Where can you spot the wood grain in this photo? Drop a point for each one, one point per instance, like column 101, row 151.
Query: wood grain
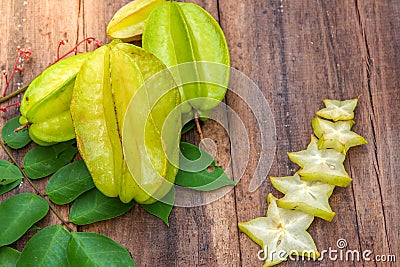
column 298, row 53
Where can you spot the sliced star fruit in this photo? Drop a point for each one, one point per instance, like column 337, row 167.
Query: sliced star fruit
column 337, row 110
column 336, row 135
column 307, row 196
column 325, row 165
column 281, row 233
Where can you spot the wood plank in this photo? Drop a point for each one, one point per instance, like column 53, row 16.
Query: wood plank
column 40, row 26
column 379, row 22
column 299, row 53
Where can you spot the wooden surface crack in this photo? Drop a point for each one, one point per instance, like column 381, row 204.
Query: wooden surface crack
column 285, row 88
column 355, row 208
column 80, row 13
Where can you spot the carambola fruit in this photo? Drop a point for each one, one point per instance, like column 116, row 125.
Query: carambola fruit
column 105, row 85
column 307, row 196
column 191, row 43
column 128, row 22
column 45, row 104
column 308, row 190
column 337, row 110
column 281, row 233
column 336, row 135
column 324, row 165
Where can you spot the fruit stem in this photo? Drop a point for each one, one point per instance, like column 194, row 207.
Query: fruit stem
column 35, row 188
column 11, row 95
column 198, row 126
column 22, row 127
column 23, row 53
column 88, row 40
column 4, row 109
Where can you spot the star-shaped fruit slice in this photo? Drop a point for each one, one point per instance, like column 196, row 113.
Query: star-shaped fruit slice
column 325, row 165
column 281, row 233
column 337, row 110
column 307, row 196
column 336, row 135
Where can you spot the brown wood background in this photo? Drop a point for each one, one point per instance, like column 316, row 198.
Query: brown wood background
column 298, row 52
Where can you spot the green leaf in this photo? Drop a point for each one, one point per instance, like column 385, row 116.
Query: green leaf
column 46, row 248
column 69, row 182
column 8, row 257
column 9, row 187
column 188, row 126
column 91, row 249
column 13, row 139
column 204, row 180
column 210, row 177
column 162, row 209
column 18, row 214
column 93, row 206
column 41, row 161
column 193, row 159
column 9, row 173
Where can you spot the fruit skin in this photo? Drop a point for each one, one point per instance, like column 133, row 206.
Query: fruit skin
column 128, row 22
column 114, row 74
column 95, row 123
column 40, row 142
column 158, row 182
column 177, row 33
column 45, row 104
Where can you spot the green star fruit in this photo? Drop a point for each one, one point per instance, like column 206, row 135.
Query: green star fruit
column 281, row 233
column 325, row 165
column 336, row 135
column 307, row 196
column 337, row 110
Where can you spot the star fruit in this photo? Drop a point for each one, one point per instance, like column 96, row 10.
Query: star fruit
column 336, row 135
column 337, row 110
column 45, row 104
column 113, row 75
column 128, row 22
column 181, row 32
column 281, row 233
column 324, row 165
column 308, row 196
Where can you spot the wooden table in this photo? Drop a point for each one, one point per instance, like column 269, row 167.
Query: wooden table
column 298, row 53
